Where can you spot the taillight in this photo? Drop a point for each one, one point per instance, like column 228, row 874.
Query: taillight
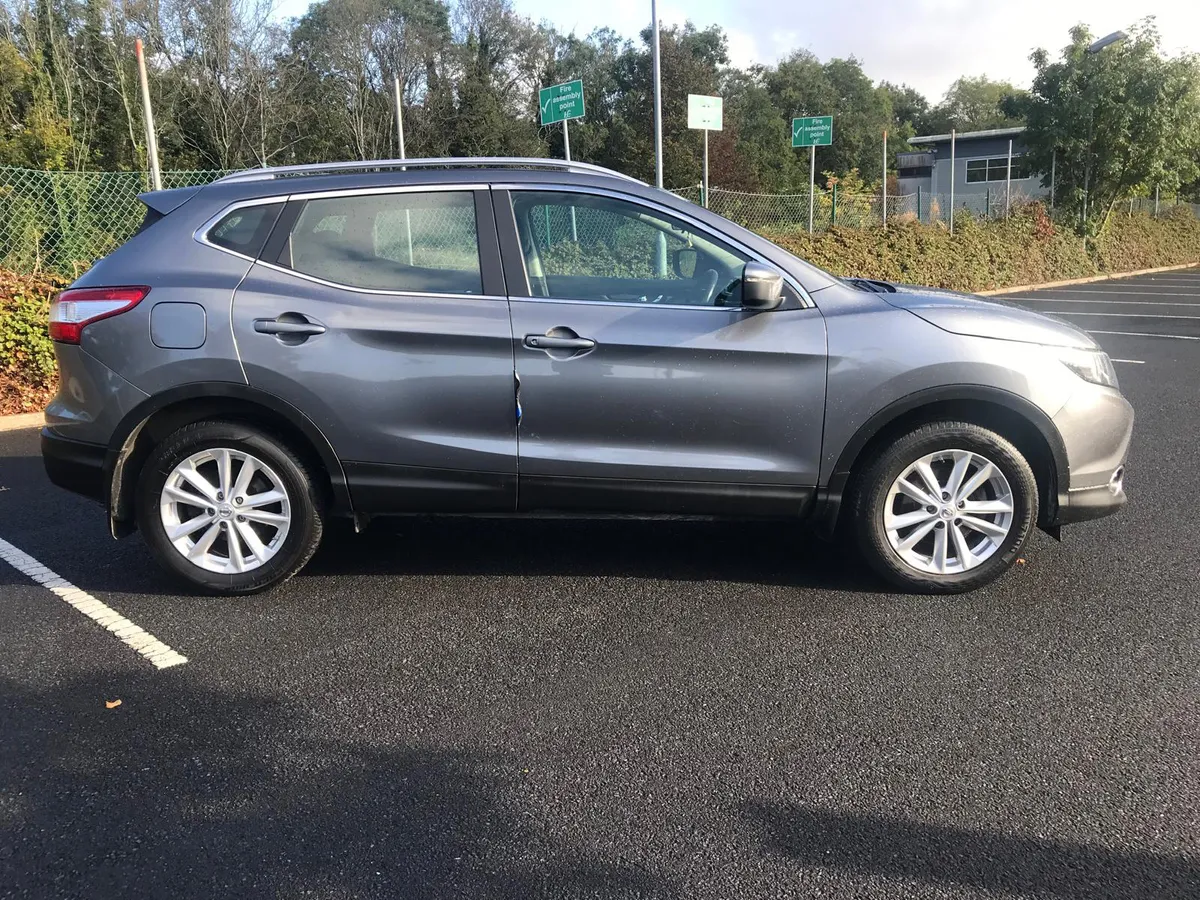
column 77, row 308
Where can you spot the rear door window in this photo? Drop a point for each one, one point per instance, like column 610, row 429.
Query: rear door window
column 422, row 243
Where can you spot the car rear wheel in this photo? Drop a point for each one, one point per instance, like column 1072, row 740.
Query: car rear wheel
column 945, row 508
column 229, row 508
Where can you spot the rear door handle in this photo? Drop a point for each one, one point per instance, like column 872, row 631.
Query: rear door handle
column 551, row 342
column 288, row 327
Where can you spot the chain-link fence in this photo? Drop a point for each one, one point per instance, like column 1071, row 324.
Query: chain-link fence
column 790, row 212
column 63, row 221
column 786, row 212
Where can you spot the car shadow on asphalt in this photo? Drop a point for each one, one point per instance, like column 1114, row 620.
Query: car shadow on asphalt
column 978, row 860
column 752, row 552
column 194, row 792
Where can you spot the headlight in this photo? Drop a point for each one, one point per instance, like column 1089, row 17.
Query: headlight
column 1090, row 365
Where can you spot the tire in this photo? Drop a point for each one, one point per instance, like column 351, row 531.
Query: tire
column 880, row 501
column 287, row 530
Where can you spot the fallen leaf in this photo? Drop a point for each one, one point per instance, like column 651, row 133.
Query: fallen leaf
column 111, row 704
column 1020, row 562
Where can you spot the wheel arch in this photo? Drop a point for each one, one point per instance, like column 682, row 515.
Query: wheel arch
column 1008, row 414
column 163, row 413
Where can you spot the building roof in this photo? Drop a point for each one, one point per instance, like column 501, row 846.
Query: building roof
column 967, row 135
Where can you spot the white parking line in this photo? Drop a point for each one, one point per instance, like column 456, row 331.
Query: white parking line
column 1124, row 290
column 133, row 636
column 1113, row 315
column 1118, row 302
column 1132, row 362
column 1177, row 337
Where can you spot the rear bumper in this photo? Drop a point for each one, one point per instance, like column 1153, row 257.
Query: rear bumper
column 75, row 465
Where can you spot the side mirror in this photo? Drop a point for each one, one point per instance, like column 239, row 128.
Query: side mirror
column 762, row 286
column 683, row 262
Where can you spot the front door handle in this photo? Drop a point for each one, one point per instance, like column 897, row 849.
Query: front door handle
column 555, row 342
column 293, row 326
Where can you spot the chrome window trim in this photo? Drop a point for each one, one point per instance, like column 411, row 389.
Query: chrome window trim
column 650, row 304
column 382, row 293
column 553, row 187
column 464, row 187
column 201, row 235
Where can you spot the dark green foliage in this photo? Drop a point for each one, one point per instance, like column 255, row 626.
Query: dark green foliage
column 1025, row 249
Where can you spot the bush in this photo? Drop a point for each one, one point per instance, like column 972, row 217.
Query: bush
column 1026, row 248
column 28, row 373
column 1140, row 241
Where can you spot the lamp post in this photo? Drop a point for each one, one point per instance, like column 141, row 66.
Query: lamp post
column 1095, row 47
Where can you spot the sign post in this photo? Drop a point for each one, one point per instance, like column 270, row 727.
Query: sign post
column 561, row 103
column 704, row 114
column 812, row 132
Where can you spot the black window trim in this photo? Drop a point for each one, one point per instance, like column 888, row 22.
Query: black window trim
column 490, row 271
column 987, row 160
column 518, row 275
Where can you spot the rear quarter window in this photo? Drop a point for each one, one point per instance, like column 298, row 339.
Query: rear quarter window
column 245, row 230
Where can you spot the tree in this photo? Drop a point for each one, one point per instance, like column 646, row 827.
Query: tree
column 1116, row 122
column 909, row 108
column 974, row 104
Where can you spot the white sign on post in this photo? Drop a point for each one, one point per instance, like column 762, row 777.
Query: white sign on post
column 704, row 113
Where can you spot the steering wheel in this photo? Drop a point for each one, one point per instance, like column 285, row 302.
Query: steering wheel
column 710, row 289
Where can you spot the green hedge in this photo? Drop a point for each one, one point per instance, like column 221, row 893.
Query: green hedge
column 1027, row 248
column 28, row 372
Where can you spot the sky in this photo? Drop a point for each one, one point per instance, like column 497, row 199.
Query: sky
column 925, row 43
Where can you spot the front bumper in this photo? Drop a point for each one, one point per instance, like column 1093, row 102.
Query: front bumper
column 1089, row 503
column 1096, row 426
column 75, row 465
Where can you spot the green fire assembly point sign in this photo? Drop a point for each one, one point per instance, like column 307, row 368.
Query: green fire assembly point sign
column 812, row 131
column 561, row 101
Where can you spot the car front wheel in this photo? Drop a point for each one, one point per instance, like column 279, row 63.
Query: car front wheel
column 946, row 508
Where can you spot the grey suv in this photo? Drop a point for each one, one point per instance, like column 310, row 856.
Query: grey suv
column 530, row 337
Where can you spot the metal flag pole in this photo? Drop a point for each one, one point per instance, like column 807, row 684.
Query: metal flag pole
column 1008, row 183
column 567, row 153
column 885, row 179
column 400, row 147
column 812, row 181
column 952, row 148
column 151, row 140
column 661, row 254
column 1053, row 174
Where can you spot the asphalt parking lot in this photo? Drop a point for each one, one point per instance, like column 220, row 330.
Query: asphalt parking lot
column 683, row 710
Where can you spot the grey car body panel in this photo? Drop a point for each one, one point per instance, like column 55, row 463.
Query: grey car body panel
column 187, row 273
column 878, row 356
column 411, row 400
column 1096, row 424
column 92, row 398
column 964, row 314
column 673, row 394
column 403, row 380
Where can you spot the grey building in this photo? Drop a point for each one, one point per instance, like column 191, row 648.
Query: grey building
column 980, row 169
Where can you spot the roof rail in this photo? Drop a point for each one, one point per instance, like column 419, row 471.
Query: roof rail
column 496, row 162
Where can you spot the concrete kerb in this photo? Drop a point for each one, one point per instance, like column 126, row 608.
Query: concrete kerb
column 1019, row 289
column 24, row 420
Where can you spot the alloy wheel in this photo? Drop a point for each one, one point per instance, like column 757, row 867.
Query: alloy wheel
column 948, row 512
column 225, row 510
